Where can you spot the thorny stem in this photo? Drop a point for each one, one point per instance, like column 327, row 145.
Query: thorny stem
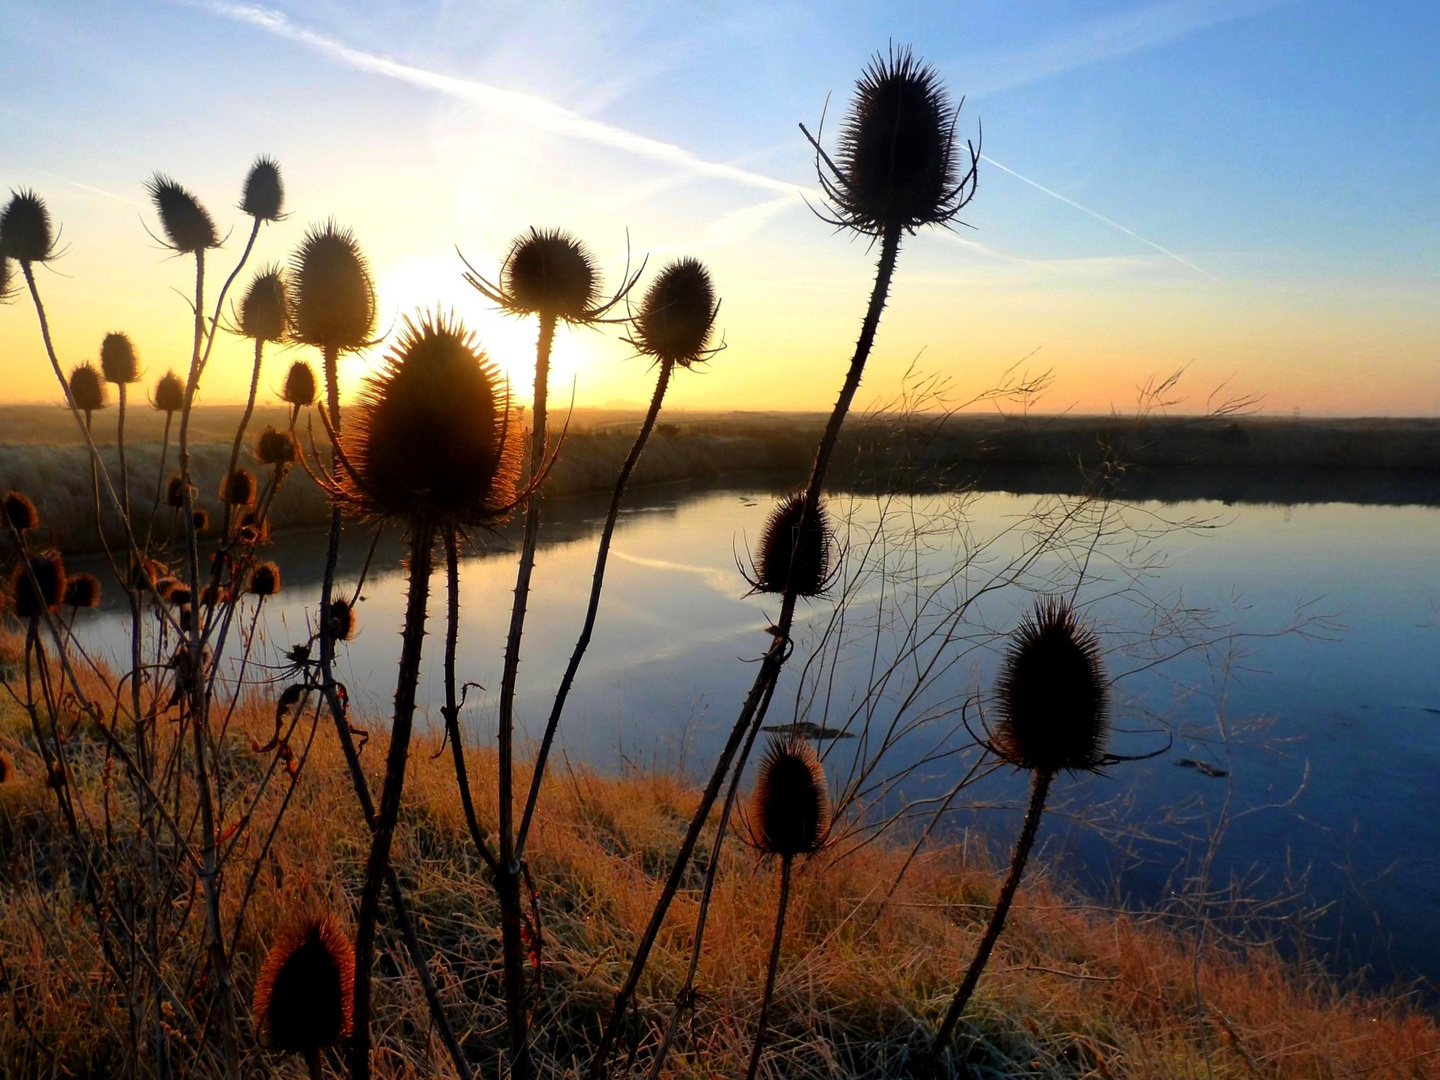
column 773, row 661
column 1040, row 788
column 785, row 865
column 597, row 583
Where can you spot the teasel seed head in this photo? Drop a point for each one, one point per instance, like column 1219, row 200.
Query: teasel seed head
column 299, row 384
column 264, row 197
column 169, row 393
column 82, row 591
column 1052, row 695
column 238, row 489
column 87, row 388
column 332, row 297
column 175, row 492
column 166, row 587
column 178, row 593
column 187, row 225
column 432, row 438
column 49, row 570
column 787, row 551
column 25, row 232
column 21, row 512
column 265, row 308
column 275, row 447
column 342, row 620
column 790, row 809
column 118, row 362
column 145, row 573
column 550, row 272
column 7, row 278
column 264, row 579
column 253, row 529
column 201, row 520
column 304, row 993
column 677, row 316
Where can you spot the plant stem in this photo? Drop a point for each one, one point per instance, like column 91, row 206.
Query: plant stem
column 240, row 432
column 597, row 583
column 412, row 642
column 1040, row 788
column 785, row 865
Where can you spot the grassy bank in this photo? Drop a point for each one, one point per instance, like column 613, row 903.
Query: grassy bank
column 1075, row 991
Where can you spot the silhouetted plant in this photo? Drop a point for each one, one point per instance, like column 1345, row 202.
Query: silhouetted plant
column 238, row 488
column 264, row 579
column 188, row 226
column 21, row 512
column 25, row 231
column 275, row 448
column 305, row 989
column 264, row 195
column 37, row 584
column 796, row 550
column 87, row 390
column 82, row 591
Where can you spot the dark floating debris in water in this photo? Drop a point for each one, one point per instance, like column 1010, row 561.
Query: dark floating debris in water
column 806, row 730
column 1203, row 767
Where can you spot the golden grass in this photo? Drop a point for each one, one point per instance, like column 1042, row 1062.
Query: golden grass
column 1072, row 991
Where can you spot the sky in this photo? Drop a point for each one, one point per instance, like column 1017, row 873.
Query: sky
column 1245, row 189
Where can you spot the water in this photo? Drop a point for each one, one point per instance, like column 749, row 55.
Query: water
column 1286, row 656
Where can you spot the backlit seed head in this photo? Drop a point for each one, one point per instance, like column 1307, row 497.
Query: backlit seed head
column 7, row 278
column 21, row 512
column 790, row 809
column 238, row 489
column 87, row 388
column 252, row 528
column 169, row 393
column 166, row 587
column 299, row 384
column 433, row 439
column 303, row 995
column 332, row 297
column 789, row 552
column 175, row 492
column 179, row 594
column 677, row 316
column 265, row 308
column 201, row 520
column 33, row 599
column 118, row 362
column 145, row 574
column 25, row 232
column 275, row 447
column 82, row 591
column 1052, row 696
column 264, row 579
column 342, row 620
column 187, row 225
column 552, row 273
column 264, row 196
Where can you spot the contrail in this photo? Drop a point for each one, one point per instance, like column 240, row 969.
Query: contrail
column 92, row 188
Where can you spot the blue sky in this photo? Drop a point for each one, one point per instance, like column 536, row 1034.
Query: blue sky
column 1241, row 186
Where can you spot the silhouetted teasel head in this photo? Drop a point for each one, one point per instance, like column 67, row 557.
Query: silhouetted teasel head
column 238, row 488
column 332, row 298
column 265, row 307
column 299, row 384
column 25, row 231
column 677, row 316
column 201, row 520
column 252, row 529
column 175, row 492
column 118, row 362
column 432, row 438
column 32, row 599
column 188, row 226
column 790, row 809
column 87, row 388
column 169, row 393
column 264, row 197
column 82, row 591
column 178, row 593
column 7, row 278
column 264, row 579
column 275, row 447
column 551, row 272
column 1052, row 696
column 305, row 990
column 896, row 165
column 21, row 512
column 788, row 551
column 342, row 620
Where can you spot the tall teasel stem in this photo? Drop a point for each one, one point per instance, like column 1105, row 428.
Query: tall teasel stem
column 244, row 423
column 785, row 865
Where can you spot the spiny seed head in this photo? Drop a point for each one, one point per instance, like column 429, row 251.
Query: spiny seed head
column 25, row 232
column 303, row 995
column 169, row 393
column 238, row 489
column 433, row 439
column 186, row 223
column 332, row 297
column 253, row 529
column 790, row 809
column 21, row 512
column 677, row 315
column 787, row 551
column 1052, row 696
column 342, row 620
column 87, row 388
column 264, row 196
column 166, row 587
column 299, row 384
column 552, row 273
column 145, row 573
column 264, row 579
column 179, row 594
column 33, row 599
column 118, row 362
column 265, row 309
column 275, row 447
column 7, row 278
column 201, row 520
column 82, row 591
column 175, row 492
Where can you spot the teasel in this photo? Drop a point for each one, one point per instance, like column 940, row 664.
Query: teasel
column 264, row 197
column 276, row 448
column 332, row 301
column 87, row 390
column 796, row 550
column 175, row 494
column 303, row 995
column 37, row 584
column 342, row 620
column 20, row 512
column 299, row 389
column 169, row 398
column 238, row 488
column 82, row 591
column 200, row 518
column 264, row 580
column 7, row 280
column 188, row 226
column 119, row 365
column 1053, row 701
column 26, row 234
column 264, row 316
column 789, row 817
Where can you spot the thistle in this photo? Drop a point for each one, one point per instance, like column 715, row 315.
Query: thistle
column 238, row 488
column 87, row 390
column 118, row 362
column 794, row 557
column 21, row 512
column 264, row 579
column 82, row 591
column 677, row 316
column 32, row 598
column 275, row 448
column 303, row 993
column 25, row 231
column 188, row 227
column 264, row 196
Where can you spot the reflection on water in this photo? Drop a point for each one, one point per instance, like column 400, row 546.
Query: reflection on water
column 1322, row 744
